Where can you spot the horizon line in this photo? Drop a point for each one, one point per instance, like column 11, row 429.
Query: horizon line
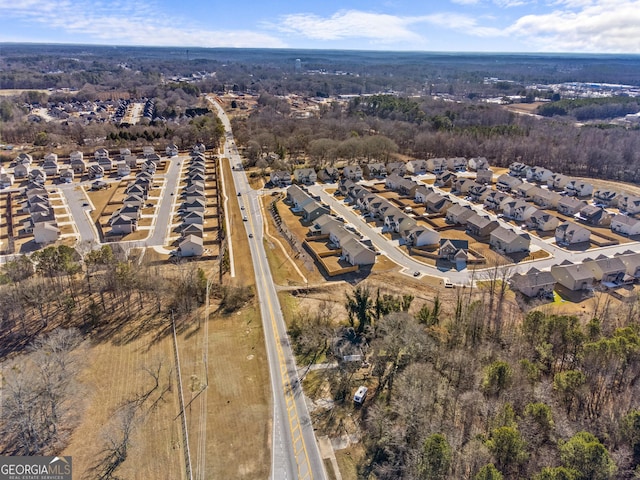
column 442, row 52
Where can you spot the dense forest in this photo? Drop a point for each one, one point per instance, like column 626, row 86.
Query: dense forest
column 477, row 392
column 424, row 128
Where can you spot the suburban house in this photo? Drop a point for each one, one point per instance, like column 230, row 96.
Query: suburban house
column 484, row 176
column 518, row 169
column 539, row 174
column 457, row 164
column 191, row 246
column 445, row 179
column 76, row 155
column 436, row 203
column 197, row 205
column 417, row 167
column 456, row 251
column 478, row 192
column 355, row 252
column 199, row 148
column 518, row 210
column 78, row 166
column 378, row 209
column 507, row 241
column 193, row 229
column 123, row 170
column 37, row 176
column 21, row 170
column 66, row 175
column 396, row 221
column 45, row 233
column 352, row 172
column 578, row 188
column 123, row 224
column 106, row 163
column 123, row 152
column 280, row 178
column 605, row 197
column 339, row 236
column 407, row 187
column 329, row 175
column 392, row 181
column 574, row 277
column 147, row 151
column 171, row 150
column 478, row 163
column 496, row 199
column 596, row 216
column 462, row 185
column 131, row 160
column 50, row 164
column 625, row 225
column 422, row 236
column 507, row 183
column 193, row 217
column 481, row 226
column 399, row 168
column 629, row 204
column 543, row 221
column 296, row 196
column 436, row 165
column 307, row 176
column 324, row 225
column 527, row 190
column 558, row 181
column 101, row 153
column 364, row 203
column 544, row 198
column 313, row 210
column 570, row 206
column 458, row 214
column 6, row 180
column 607, row 269
column 534, row 283
column 632, row 263
column 569, row 233
column 421, row 193
column 374, row 170
column 134, row 200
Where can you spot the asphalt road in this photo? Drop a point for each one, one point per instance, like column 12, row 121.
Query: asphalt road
column 295, row 453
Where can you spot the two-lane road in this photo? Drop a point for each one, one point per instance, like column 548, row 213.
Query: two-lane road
column 295, row 453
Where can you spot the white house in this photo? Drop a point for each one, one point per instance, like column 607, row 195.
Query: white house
column 629, row 204
column 191, row 246
column 45, row 233
column 625, row 225
column 569, row 233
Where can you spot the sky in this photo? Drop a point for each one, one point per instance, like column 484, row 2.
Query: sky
column 575, row 26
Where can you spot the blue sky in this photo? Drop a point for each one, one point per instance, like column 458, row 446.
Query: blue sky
column 583, row 26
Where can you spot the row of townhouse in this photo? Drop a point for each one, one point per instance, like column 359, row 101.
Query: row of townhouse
column 609, row 271
column 444, row 168
column 42, row 221
column 193, row 207
column 125, row 219
column 353, row 250
column 605, row 197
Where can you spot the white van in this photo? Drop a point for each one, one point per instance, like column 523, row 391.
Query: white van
column 360, row 395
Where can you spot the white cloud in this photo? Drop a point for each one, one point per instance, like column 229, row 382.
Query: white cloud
column 466, row 2
column 377, row 27
column 128, row 23
column 349, row 24
column 611, row 26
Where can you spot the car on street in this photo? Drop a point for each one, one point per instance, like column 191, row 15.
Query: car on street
column 245, row 219
column 251, row 235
